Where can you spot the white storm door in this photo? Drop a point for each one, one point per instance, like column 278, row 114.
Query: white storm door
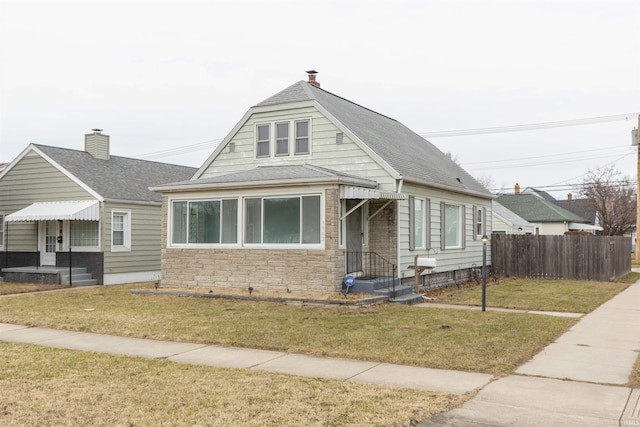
column 48, row 242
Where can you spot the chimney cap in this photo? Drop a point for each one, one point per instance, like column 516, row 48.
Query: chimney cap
column 97, row 130
column 311, row 72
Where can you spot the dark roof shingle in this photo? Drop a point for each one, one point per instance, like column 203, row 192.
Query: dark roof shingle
column 405, row 151
column 119, row 178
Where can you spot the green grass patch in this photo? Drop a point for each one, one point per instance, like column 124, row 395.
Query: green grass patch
column 46, row 386
column 570, row 296
column 629, row 278
column 489, row 342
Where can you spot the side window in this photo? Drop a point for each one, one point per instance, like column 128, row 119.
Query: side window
column 120, row 231
column 452, row 226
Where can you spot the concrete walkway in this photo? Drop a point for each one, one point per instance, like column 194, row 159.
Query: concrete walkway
column 242, row 358
column 579, row 380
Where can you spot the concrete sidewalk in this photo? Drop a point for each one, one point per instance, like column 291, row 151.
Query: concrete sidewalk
column 576, row 381
column 242, row 358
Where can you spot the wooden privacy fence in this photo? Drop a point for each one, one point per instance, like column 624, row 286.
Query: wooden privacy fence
column 578, row 257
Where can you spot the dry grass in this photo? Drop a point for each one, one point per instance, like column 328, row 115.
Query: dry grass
column 491, row 342
column 44, row 386
column 20, row 288
column 544, row 295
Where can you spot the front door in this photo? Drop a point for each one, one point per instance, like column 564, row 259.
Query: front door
column 48, row 242
column 354, row 238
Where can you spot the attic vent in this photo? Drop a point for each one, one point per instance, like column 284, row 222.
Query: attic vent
column 232, row 147
column 339, row 137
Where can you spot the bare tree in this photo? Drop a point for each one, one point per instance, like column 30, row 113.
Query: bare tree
column 485, row 180
column 614, row 197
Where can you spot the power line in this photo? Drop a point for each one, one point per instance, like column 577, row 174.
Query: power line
column 530, row 126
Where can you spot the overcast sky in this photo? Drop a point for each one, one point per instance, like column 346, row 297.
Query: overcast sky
column 167, row 80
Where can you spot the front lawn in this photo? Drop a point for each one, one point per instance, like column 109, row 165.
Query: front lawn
column 490, row 342
column 572, row 296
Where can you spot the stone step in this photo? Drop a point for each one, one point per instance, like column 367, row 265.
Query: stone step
column 84, row 282
column 407, row 299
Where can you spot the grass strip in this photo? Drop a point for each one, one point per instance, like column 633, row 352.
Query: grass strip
column 45, row 386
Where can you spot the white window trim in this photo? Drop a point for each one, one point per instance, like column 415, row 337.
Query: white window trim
column 425, row 221
column 170, row 243
column 461, row 224
column 66, row 226
column 126, row 223
column 273, row 138
column 284, row 245
column 479, row 219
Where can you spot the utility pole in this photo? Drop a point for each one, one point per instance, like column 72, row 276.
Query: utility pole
column 638, row 194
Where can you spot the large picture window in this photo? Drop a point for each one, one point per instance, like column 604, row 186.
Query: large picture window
column 282, row 220
column 205, row 222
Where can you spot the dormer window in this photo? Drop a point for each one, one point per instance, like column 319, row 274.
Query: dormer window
column 302, row 137
column 263, row 142
column 280, row 139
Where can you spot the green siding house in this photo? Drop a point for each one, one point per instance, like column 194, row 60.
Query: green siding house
column 308, row 188
column 88, row 210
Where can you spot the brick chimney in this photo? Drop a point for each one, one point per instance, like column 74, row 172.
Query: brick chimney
column 312, row 78
column 516, row 189
column 569, row 196
column 97, row 144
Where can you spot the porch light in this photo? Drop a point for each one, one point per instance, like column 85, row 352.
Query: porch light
column 485, row 239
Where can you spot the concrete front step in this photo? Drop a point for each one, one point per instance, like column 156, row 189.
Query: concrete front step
column 385, row 286
column 84, row 282
column 79, row 277
column 407, row 299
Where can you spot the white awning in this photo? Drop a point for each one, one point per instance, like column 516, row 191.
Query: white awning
column 584, row 227
column 78, row 210
column 351, row 192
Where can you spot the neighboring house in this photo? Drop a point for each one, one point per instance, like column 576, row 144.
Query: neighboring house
column 585, row 208
column 508, row 222
column 57, row 203
column 309, row 187
column 546, row 216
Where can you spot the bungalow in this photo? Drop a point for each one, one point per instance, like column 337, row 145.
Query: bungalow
column 545, row 215
column 309, row 188
column 85, row 210
column 508, row 222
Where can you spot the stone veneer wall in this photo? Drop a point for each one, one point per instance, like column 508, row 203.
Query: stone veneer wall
column 383, row 230
column 272, row 269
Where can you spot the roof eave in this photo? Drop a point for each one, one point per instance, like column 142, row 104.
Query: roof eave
column 465, row 191
column 296, row 182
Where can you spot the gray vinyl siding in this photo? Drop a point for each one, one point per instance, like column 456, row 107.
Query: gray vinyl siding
column 146, row 225
column 347, row 157
column 448, row 259
column 31, row 180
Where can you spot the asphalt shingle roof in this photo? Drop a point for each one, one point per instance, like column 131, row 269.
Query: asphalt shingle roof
column 585, row 208
column 120, row 178
column 535, row 209
column 405, row 151
column 278, row 173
